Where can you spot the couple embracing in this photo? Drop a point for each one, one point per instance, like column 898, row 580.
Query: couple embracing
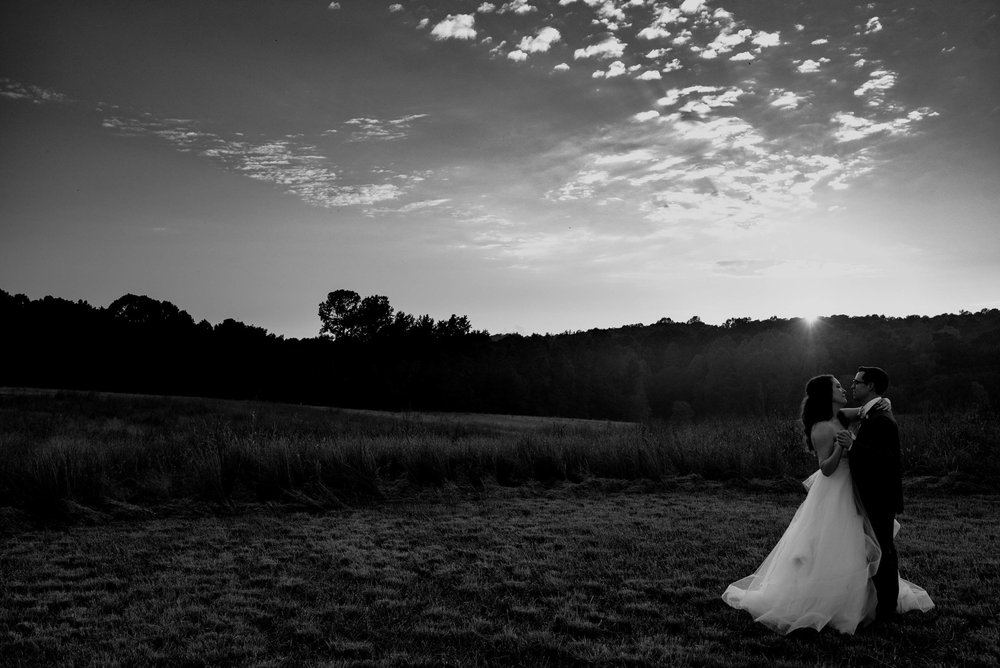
column 836, row 563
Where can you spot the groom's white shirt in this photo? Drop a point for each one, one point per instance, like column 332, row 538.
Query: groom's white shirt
column 867, row 407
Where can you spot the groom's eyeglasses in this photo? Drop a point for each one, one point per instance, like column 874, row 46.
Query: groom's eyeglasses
column 858, row 381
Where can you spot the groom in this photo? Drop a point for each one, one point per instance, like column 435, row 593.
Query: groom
column 876, row 469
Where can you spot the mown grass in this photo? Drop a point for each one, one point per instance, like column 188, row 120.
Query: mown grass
column 82, row 455
column 576, row 575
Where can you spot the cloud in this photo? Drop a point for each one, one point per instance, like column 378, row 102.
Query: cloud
column 455, row 26
column 541, row 42
column 297, row 167
column 422, row 205
column 658, row 29
column 374, row 129
column 707, row 177
column 767, row 39
column 637, row 155
column 395, row 8
column 875, row 89
column 808, row 66
column 784, row 99
column 692, row 6
column 853, row 128
column 745, row 267
column 700, row 99
column 615, row 69
column 333, row 6
column 715, row 160
column 727, row 40
column 653, row 32
column 693, row 29
column 873, row 25
column 719, row 97
column 517, row 56
column 611, row 47
column 14, row 90
column 517, row 7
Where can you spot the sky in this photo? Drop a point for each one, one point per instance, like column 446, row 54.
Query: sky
column 540, row 166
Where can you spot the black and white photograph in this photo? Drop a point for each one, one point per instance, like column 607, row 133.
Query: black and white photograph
column 366, row 333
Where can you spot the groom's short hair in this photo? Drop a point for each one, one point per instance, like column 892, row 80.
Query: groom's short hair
column 876, row 376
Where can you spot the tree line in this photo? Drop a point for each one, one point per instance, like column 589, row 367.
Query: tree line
column 367, row 355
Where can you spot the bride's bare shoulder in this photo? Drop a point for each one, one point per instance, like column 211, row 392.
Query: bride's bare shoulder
column 823, row 432
column 823, row 428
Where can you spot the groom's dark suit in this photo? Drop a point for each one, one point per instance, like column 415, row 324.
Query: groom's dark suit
column 876, row 469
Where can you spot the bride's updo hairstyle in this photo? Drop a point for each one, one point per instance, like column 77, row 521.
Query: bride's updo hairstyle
column 817, row 406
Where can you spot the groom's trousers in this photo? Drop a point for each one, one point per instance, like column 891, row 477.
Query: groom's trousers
column 886, row 579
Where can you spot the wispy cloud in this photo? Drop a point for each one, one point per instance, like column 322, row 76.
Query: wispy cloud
column 375, row 129
column 15, row 90
column 693, row 174
column 790, row 268
column 423, row 205
column 745, row 267
column 292, row 163
column 297, row 167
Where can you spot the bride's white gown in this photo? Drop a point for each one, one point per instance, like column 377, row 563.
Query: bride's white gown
column 819, row 573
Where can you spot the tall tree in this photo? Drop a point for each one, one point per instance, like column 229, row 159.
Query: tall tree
column 345, row 315
column 336, row 313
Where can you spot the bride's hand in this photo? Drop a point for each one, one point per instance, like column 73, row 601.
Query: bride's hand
column 844, row 440
column 883, row 404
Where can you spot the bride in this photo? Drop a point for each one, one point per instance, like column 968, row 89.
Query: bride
column 819, row 574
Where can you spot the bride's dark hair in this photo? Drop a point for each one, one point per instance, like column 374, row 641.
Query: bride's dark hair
column 817, row 405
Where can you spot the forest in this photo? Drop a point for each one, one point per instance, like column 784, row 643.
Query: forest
column 368, row 355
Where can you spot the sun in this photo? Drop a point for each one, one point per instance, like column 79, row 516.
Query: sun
column 810, row 320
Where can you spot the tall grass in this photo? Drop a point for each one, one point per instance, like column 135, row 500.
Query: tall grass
column 94, row 450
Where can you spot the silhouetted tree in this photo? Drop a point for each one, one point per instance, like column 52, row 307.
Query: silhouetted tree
column 453, row 327
column 147, row 312
column 372, row 317
column 345, row 315
column 336, row 313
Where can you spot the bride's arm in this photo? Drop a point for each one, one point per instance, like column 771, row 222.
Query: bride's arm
column 851, row 414
column 854, row 414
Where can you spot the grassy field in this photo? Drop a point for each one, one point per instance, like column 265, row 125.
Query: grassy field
column 576, row 575
column 147, row 531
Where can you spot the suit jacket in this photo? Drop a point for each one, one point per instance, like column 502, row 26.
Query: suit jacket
column 876, row 466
